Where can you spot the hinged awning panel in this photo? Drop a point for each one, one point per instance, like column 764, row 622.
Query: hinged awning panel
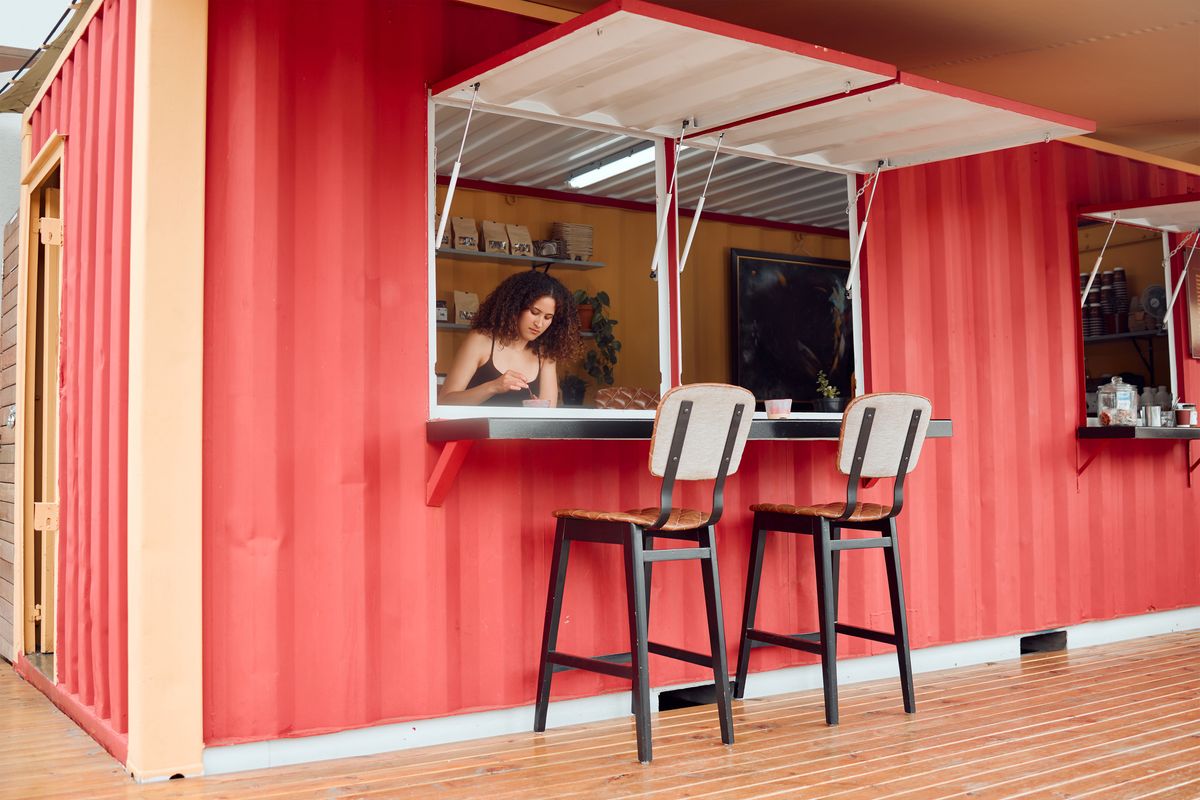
column 911, row 121
column 642, row 69
column 1175, row 214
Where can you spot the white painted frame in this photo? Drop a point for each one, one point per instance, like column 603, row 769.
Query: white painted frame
column 439, row 411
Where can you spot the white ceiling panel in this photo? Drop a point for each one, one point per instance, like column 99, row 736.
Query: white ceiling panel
column 912, row 121
column 508, row 151
column 642, row 69
column 1179, row 214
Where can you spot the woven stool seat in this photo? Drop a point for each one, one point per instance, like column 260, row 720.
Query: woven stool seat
column 681, row 519
column 863, row 512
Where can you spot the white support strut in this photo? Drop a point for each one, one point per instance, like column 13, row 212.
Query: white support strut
column 852, row 278
column 1096, row 266
column 441, row 231
column 1186, row 263
column 672, row 186
column 687, row 247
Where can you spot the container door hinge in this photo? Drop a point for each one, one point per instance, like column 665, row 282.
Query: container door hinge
column 36, row 614
column 50, row 231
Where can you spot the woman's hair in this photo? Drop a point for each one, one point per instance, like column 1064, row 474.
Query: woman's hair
column 500, row 310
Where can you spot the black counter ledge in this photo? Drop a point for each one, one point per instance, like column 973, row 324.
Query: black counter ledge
column 507, row 428
column 457, row 436
column 1128, row 432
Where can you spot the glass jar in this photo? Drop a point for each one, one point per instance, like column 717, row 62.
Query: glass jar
column 1117, row 402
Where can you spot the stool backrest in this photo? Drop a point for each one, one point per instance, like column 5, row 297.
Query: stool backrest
column 706, row 410
column 699, row 434
column 889, row 424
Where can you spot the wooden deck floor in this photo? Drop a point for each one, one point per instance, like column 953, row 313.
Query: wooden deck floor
column 1119, row 721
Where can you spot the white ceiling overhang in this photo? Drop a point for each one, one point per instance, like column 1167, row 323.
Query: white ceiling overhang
column 913, row 120
column 1176, row 214
column 640, row 69
column 632, row 67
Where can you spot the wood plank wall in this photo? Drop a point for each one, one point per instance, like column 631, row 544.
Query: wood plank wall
column 8, row 389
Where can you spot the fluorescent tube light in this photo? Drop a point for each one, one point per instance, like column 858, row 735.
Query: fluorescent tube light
column 612, row 166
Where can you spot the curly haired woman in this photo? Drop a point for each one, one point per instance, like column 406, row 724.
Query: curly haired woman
column 523, row 329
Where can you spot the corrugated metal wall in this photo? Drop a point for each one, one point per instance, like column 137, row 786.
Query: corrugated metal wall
column 335, row 598
column 90, row 102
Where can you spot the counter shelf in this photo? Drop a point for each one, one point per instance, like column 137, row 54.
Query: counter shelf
column 458, row 435
column 1127, row 433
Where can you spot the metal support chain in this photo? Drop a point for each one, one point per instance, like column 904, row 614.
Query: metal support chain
column 872, row 181
column 1186, row 263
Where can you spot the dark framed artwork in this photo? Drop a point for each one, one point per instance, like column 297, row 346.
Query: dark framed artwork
column 792, row 319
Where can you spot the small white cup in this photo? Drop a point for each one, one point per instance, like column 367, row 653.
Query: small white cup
column 778, row 409
column 1153, row 417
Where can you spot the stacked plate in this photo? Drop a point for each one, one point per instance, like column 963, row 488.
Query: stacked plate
column 578, row 238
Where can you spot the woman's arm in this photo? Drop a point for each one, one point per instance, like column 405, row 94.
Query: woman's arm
column 469, row 358
column 549, row 383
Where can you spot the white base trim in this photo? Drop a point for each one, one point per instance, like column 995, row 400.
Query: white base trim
column 462, row 727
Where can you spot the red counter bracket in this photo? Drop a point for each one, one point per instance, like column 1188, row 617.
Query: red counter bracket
column 449, row 462
column 1192, row 465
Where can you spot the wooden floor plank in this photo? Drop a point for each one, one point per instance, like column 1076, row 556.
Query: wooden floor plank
column 1118, row 721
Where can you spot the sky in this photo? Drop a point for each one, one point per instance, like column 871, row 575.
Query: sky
column 25, row 23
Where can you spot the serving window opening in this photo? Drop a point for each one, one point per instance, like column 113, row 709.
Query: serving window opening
column 575, row 205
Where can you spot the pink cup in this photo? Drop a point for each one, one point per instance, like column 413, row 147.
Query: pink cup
column 536, row 403
column 778, row 409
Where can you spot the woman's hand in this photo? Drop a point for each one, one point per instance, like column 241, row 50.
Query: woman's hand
column 511, row 381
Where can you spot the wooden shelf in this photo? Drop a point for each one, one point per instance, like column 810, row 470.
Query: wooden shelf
column 533, row 261
column 461, row 326
column 1130, row 432
column 1117, row 337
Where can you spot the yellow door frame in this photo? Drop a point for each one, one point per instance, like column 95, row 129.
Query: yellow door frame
column 39, row 246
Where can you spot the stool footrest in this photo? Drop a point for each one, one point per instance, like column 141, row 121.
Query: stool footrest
column 675, row 554
column 808, row 642
column 608, row 665
column 859, row 544
column 679, row 654
column 866, row 633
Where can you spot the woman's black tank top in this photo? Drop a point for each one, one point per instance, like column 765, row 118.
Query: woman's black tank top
column 488, row 372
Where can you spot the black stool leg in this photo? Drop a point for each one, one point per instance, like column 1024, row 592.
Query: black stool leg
column 750, row 610
column 825, row 611
column 635, row 583
column 835, row 533
column 648, row 544
column 554, row 595
column 716, row 633
column 891, row 557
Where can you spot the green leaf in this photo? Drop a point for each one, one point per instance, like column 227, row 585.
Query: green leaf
column 602, row 298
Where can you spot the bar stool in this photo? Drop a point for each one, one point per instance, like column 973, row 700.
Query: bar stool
column 700, row 432
column 887, row 431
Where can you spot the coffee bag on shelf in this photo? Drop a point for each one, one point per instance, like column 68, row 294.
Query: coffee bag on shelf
column 495, row 237
column 466, row 235
column 519, row 241
column 466, row 306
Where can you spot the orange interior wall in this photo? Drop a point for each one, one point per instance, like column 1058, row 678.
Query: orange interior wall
column 623, row 240
column 334, row 598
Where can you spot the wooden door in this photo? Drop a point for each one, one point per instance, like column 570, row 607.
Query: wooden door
column 41, row 473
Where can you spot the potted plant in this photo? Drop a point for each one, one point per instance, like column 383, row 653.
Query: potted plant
column 601, row 359
column 828, row 399
column 587, row 307
column 572, row 387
